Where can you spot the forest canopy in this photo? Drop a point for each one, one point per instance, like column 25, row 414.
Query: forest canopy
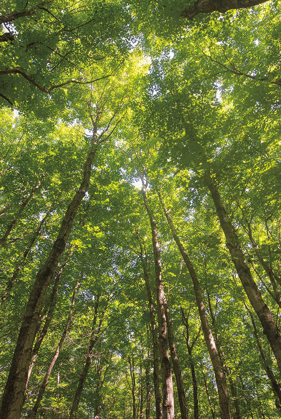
column 140, row 209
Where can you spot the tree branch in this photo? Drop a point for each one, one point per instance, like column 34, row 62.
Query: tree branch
column 209, row 6
column 19, row 70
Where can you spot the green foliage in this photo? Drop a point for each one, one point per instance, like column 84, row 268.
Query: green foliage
column 169, row 102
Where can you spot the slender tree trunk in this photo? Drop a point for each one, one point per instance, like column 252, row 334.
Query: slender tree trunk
column 209, row 339
column 14, row 392
column 270, row 329
column 133, row 388
column 48, row 319
column 267, row 268
column 141, row 386
column 147, row 384
column 207, row 392
column 190, row 347
column 231, row 383
column 275, row 385
column 56, row 355
column 23, row 260
column 156, row 372
column 16, row 218
column 176, row 366
column 95, row 334
column 167, row 382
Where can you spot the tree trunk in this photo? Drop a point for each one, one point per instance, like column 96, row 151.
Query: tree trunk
column 231, row 383
column 48, row 319
column 14, row 392
column 95, row 334
column 133, row 380
column 270, row 329
column 147, row 383
column 275, row 385
column 208, row 393
column 190, row 347
column 156, row 373
column 267, row 268
column 209, row 6
column 55, row 357
column 167, row 382
column 209, row 339
column 176, row 366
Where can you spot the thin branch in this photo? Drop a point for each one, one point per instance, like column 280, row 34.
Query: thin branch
column 237, row 72
column 19, row 70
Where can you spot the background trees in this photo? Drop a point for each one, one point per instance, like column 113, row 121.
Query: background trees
column 98, row 100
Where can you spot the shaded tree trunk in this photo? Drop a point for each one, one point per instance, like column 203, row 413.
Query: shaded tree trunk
column 270, row 329
column 190, row 347
column 147, row 385
column 156, row 372
column 167, row 382
column 48, row 319
column 231, row 383
column 209, row 339
column 207, row 392
column 176, row 365
column 95, row 334
column 56, row 355
column 274, row 384
column 133, row 388
column 14, row 393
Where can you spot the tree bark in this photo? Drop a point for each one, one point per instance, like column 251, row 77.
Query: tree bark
column 48, row 318
column 209, row 6
column 190, row 347
column 167, row 382
column 133, row 388
column 156, row 372
column 207, row 392
column 209, row 339
column 14, row 392
column 55, row 357
column 176, row 366
column 147, row 383
column 95, row 334
column 269, row 327
column 274, row 384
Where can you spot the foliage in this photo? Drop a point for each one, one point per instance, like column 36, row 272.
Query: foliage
column 170, row 100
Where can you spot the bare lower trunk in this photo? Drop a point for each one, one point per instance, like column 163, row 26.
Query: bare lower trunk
column 267, row 268
column 95, row 334
column 55, row 357
column 133, row 388
column 176, row 366
column 209, row 339
column 190, row 347
column 208, row 393
column 156, row 373
column 167, row 382
column 269, row 327
column 14, row 392
column 274, row 384
column 48, row 319
column 147, row 384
